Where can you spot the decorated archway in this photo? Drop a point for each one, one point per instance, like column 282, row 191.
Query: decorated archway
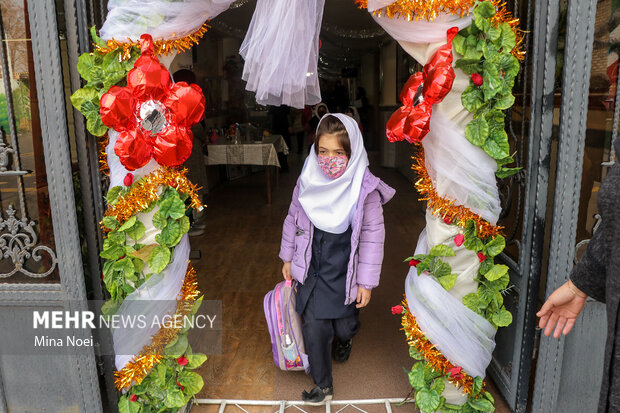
column 452, row 111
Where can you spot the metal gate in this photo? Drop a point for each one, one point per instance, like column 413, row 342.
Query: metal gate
column 41, row 266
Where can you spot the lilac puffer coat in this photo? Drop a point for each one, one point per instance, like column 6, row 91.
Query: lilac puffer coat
column 367, row 237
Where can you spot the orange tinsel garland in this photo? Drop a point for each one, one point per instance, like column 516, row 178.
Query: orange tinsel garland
column 140, row 365
column 429, row 10
column 417, row 340
column 103, row 156
column 160, row 47
column 145, row 191
column 443, row 207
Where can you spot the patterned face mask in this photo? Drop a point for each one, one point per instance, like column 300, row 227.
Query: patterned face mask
column 333, row 166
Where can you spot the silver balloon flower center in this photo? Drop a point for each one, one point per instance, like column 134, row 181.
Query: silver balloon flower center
column 153, row 116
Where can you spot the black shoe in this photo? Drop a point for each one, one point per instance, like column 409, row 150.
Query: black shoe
column 318, row 395
column 342, row 351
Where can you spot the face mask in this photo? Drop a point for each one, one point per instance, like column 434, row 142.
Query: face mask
column 333, row 166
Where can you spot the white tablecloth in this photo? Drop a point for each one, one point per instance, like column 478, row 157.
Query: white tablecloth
column 261, row 153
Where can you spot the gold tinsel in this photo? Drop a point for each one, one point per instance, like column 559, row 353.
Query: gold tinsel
column 150, row 355
column 145, row 191
column 103, row 156
column 444, row 207
column 160, row 47
column 430, row 9
column 417, row 340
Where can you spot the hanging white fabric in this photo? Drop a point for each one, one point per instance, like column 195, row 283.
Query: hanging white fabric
column 281, row 50
column 459, row 170
column 330, row 203
column 162, row 19
column 462, row 336
column 422, row 31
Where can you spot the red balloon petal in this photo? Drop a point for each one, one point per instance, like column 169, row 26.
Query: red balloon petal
column 149, row 79
column 133, row 149
column 418, row 123
column 117, row 109
column 187, row 103
column 173, row 145
column 439, row 83
column 411, row 88
column 396, row 123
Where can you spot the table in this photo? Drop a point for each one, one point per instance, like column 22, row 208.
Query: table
column 263, row 153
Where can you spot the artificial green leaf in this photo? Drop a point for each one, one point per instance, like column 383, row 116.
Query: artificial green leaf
column 127, row 406
column 192, row 381
column 196, row 305
column 459, row 44
column 172, row 206
column 482, row 23
column 441, row 250
column 159, row 220
column 195, row 360
column 481, row 405
column 416, row 376
column 128, row 224
column 95, row 126
column 495, row 246
column 489, row 397
column 473, row 244
column 469, row 66
column 110, row 222
column 159, row 258
column 114, row 252
column 505, row 161
column 499, row 284
column 98, row 41
column 419, row 257
column 184, row 223
column 477, row 387
column 83, row 95
column 509, row 39
column 484, row 9
column 470, row 229
column 127, row 288
column 477, row 132
column 138, row 265
column 447, row 281
column 473, row 53
column 137, row 231
column 502, row 318
column 430, row 373
column 113, row 194
column 177, row 347
column 495, row 273
column 126, row 266
column 415, row 354
column 503, row 172
column 89, row 67
column 485, row 266
column 442, row 270
column 492, row 80
column 472, row 301
column 175, row 398
column 497, row 145
column 169, row 234
column 427, row 400
column 421, row 267
column 472, row 98
column 485, row 295
column 438, row 385
column 110, row 307
column 505, row 101
column 494, row 33
column 509, row 65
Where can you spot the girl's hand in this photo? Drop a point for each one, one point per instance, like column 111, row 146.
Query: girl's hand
column 561, row 309
column 286, row 271
column 363, row 297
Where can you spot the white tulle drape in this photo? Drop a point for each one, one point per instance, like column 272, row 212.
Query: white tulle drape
column 162, row 19
column 421, row 31
column 281, row 50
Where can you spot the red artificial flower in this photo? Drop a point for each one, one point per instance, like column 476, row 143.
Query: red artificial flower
column 182, row 360
column 397, row 309
column 477, row 79
column 182, row 387
column 414, row 263
column 152, row 115
column 455, row 373
column 481, row 257
column 128, row 179
column 102, row 276
column 447, row 220
column 459, row 239
column 133, row 398
column 411, row 122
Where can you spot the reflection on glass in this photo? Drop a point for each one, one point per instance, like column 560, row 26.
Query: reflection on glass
column 26, row 235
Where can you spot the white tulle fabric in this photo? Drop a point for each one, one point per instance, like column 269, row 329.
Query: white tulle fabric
column 150, row 302
column 459, row 170
column 421, row 31
column 462, row 336
column 162, row 19
column 281, row 50
column 330, row 203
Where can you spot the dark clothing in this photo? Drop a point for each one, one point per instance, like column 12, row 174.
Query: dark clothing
column 598, row 275
column 320, row 301
column 327, row 276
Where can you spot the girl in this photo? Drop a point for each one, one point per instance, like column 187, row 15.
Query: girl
column 332, row 244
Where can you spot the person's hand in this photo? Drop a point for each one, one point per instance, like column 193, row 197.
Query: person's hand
column 363, row 297
column 561, row 309
column 286, row 271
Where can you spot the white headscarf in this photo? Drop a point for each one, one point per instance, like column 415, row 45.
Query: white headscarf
column 330, row 203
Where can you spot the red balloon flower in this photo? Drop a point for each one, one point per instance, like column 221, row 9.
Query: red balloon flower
column 152, row 115
column 412, row 120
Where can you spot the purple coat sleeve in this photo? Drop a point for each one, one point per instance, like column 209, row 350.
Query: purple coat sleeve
column 372, row 238
column 287, row 246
